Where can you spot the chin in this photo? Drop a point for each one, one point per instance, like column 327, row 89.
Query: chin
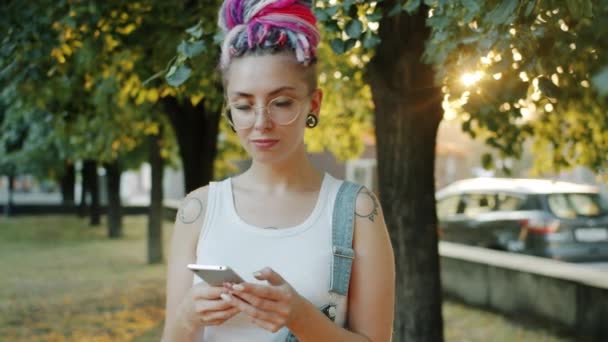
column 268, row 157
column 273, row 156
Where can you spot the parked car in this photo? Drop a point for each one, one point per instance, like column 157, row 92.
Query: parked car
column 554, row 219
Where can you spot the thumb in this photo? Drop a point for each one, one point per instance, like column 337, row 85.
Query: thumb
column 269, row 275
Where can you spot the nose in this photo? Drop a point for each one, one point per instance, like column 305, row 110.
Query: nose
column 262, row 120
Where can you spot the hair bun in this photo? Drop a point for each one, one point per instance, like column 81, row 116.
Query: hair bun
column 268, row 24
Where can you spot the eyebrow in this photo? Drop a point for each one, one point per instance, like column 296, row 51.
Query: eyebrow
column 274, row 92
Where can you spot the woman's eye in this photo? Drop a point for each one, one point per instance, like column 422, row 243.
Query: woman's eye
column 283, row 103
column 242, row 107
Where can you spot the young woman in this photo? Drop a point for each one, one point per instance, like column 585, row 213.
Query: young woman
column 273, row 223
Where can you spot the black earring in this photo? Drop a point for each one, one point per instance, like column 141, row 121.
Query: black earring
column 311, row 121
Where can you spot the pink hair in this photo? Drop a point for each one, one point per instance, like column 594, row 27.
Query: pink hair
column 252, row 24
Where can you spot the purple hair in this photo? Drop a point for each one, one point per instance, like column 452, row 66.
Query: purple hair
column 274, row 25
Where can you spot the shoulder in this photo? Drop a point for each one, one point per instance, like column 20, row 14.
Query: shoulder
column 192, row 208
column 189, row 222
column 367, row 205
column 370, row 231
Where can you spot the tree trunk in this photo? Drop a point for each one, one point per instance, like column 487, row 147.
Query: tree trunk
column 155, row 242
column 8, row 208
column 68, row 182
column 90, row 167
column 408, row 112
column 84, row 185
column 196, row 130
column 114, row 206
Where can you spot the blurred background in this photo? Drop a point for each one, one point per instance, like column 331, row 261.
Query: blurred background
column 481, row 125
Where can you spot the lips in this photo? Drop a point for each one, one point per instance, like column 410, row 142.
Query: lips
column 264, row 143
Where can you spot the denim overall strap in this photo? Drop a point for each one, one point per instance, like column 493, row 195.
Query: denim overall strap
column 342, row 228
column 342, row 237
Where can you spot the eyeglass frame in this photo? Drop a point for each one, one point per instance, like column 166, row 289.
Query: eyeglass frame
column 228, row 114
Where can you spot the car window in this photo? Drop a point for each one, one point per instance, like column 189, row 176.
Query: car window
column 507, row 202
column 447, row 207
column 479, row 203
column 573, row 205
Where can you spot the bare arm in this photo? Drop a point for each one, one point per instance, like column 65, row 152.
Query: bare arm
column 371, row 297
column 188, row 224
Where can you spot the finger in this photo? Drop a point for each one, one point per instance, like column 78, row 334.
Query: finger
column 215, row 305
column 269, row 275
column 273, row 328
column 221, row 315
column 254, row 312
column 259, row 290
column 216, row 322
column 261, row 303
column 204, row 291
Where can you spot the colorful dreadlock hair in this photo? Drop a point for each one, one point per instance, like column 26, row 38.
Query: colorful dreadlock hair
column 276, row 25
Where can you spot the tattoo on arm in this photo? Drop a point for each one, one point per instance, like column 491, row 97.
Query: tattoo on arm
column 374, row 211
column 191, row 210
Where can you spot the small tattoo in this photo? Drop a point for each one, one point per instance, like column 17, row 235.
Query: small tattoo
column 195, row 209
column 374, row 212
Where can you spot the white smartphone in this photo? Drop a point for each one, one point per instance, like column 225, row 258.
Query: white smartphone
column 216, row 275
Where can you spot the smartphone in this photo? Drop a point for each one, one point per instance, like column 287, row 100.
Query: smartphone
column 216, row 275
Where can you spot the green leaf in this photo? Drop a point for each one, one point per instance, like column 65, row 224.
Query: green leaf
column 332, row 26
column 374, row 16
column 354, row 28
column 395, row 10
column 196, row 31
column 530, row 8
column 470, row 39
column 574, row 7
column 411, row 6
column 347, row 4
column 471, row 5
column 349, row 44
column 487, row 161
column 171, row 71
column 338, row 45
column 370, row 40
column 191, row 49
column 331, row 11
column 178, row 75
column 321, row 14
column 218, row 37
column 600, row 81
column 503, row 13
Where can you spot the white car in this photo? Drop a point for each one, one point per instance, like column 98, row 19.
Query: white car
column 555, row 219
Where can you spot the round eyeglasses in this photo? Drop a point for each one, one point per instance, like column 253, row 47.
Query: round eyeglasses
column 283, row 110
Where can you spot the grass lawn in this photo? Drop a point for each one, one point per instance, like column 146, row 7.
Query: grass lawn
column 62, row 280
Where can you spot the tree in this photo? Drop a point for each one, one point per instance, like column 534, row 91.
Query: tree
column 155, row 245
column 78, row 87
column 408, row 112
column 528, row 70
column 68, row 184
column 528, row 46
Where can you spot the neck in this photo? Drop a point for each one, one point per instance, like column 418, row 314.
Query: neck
column 295, row 172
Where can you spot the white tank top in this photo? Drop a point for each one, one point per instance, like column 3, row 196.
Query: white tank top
column 301, row 254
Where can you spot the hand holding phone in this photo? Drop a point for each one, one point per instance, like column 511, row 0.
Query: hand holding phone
column 216, row 275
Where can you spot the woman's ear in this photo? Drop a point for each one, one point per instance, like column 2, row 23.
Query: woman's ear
column 316, row 101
